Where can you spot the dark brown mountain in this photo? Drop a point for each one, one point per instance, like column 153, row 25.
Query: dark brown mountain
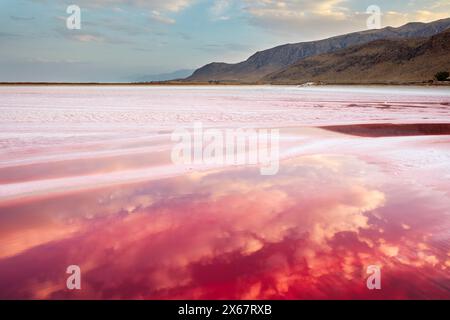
column 380, row 61
column 268, row 61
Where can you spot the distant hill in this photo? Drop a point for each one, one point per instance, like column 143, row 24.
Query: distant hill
column 383, row 61
column 268, row 61
column 179, row 74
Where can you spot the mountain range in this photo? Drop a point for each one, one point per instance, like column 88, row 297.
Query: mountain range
column 179, row 74
column 345, row 58
column 380, row 61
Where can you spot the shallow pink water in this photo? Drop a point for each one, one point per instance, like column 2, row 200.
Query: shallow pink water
column 86, row 179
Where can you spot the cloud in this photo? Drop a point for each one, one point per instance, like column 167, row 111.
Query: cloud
column 17, row 18
column 119, row 25
column 54, row 61
column 219, row 9
column 396, row 19
column 160, row 5
column 157, row 16
column 88, row 38
column 295, row 11
column 92, row 37
column 311, row 19
column 157, row 8
column 308, row 18
column 9, row 35
column 224, row 47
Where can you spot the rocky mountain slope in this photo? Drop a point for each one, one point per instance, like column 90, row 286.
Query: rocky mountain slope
column 268, row 61
column 380, row 61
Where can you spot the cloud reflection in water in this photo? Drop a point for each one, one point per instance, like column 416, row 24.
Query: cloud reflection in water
column 309, row 232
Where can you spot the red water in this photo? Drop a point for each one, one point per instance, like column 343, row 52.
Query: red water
column 309, row 232
column 87, row 187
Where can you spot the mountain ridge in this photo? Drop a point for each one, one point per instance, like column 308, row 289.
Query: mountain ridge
column 384, row 60
column 265, row 62
column 177, row 74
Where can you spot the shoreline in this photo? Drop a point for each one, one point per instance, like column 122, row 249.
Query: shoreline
column 213, row 84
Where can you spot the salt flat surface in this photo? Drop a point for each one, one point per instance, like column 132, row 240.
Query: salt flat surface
column 43, row 126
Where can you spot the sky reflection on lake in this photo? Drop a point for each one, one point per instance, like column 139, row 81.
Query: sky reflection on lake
column 86, row 179
column 309, row 232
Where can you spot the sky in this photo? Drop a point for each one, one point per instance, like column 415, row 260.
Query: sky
column 125, row 40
